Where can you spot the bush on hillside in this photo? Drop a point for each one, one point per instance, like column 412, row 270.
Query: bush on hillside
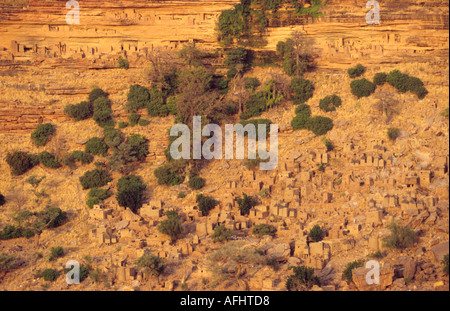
column 96, row 93
column 319, row 125
column 96, row 146
column 49, row 160
column 20, row 162
column 81, row 111
column 356, row 71
column 41, row 135
column 362, row 87
column 95, row 178
column 302, row 89
column 330, row 103
column 138, row 97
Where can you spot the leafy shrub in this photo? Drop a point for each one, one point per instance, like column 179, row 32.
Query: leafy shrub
column 112, row 137
column 348, row 271
column 96, row 93
column 196, row 182
column 222, row 234
column 81, row 111
column 444, row 113
column 41, row 135
column 20, row 162
column 138, row 97
column 123, row 63
column 330, row 103
column 172, row 105
column 95, row 179
column 403, row 83
column 205, row 203
column 375, row 255
column 362, row 88
column 2, row 199
column 393, row 133
column 52, row 217
column 156, row 105
column 445, row 263
column 328, row 144
column 303, row 90
column 50, row 275
column 91, row 202
column 181, row 195
column 319, row 125
column 7, row 262
column 316, row 234
column 96, row 146
column 49, row 160
column 130, row 192
column 255, row 104
column 166, row 176
column 379, row 78
column 102, row 112
column 251, row 83
column 123, row 124
column 238, row 57
column 171, row 226
column 81, row 156
column 264, row 229
column 303, row 109
column 138, row 146
column 151, row 263
column 56, row 252
column 400, row 237
column 134, row 118
column 246, row 203
column 143, row 122
column 303, row 278
column 356, row 71
column 96, row 195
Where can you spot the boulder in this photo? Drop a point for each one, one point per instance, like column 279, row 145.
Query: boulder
column 406, row 266
column 386, row 278
column 280, row 251
column 440, row 251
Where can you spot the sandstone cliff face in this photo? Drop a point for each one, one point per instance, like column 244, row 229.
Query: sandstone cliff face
column 414, row 28
column 410, row 32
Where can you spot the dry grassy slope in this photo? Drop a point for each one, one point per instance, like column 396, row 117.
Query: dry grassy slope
column 424, row 132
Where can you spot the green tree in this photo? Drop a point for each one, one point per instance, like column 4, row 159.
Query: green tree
column 400, row 237
column 95, row 178
column 130, row 192
column 154, row 265
column 348, row 271
column 138, row 97
column 205, row 203
column 302, row 89
column 171, row 226
column 316, row 234
column 246, row 203
column 123, row 63
column 303, row 278
column 222, row 234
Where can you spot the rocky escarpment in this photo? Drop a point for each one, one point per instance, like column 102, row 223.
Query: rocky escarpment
column 37, row 39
